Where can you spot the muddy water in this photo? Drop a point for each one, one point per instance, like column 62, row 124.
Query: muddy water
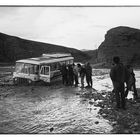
column 40, row 109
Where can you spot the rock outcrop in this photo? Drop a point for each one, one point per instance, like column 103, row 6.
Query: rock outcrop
column 123, row 42
column 14, row 48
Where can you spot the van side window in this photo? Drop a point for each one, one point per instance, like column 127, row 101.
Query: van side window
column 45, row 70
column 53, row 66
column 58, row 65
column 71, row 61
column 26, row 68
column 67, row 62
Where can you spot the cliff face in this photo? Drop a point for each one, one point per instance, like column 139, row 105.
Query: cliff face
column 14, row 48
column 123, row 42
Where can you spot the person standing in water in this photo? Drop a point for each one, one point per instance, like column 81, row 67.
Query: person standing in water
column 88, row 75
column 131, row 81
column 75, row 72
column 118, row 75
column 82, row 74
column 70, row 75
column 64, row 74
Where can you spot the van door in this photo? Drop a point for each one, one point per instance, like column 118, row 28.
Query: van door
column 45, row 74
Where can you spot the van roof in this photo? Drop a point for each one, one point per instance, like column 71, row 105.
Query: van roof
column 41, row 60
column 56, row 55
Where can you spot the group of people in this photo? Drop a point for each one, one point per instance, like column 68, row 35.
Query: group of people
column 72, row 72
column 122, row 75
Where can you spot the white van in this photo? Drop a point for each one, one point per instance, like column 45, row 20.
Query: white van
column 45, row 68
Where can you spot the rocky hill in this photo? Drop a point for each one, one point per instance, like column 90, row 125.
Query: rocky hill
column 120, row 41
column 14, row 48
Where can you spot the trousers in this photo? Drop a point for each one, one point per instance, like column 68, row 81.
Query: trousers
column 119, row 94
column 128, row 87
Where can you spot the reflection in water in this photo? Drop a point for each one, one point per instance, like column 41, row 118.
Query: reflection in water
column 40, row 110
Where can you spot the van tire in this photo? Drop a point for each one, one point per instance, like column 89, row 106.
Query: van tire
column 47, row 84
column 16, row 82
column 30, row 82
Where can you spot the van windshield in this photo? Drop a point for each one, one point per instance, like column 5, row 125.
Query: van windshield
column 26, row 68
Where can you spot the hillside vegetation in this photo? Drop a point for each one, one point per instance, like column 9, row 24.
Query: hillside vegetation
column 14, row 48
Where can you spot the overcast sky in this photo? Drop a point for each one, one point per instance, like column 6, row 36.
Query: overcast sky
column 76, row 27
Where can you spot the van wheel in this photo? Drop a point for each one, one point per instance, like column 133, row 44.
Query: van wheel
column 47, row 84
column 15, row 81
column 30, row 82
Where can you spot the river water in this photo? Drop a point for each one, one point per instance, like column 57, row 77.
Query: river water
column 52, row 110
column 46, row 110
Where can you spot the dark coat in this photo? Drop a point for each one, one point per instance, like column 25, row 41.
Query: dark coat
column 88, row 70
column 118, row 73
column 82, row 71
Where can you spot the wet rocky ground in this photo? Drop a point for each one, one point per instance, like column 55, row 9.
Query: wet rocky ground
column 57, row 109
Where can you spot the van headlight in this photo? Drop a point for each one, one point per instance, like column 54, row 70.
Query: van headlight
column 15, row 79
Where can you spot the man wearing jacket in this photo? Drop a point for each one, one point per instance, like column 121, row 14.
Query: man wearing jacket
column 89, row 75
column 118, row 76
column 131, row 81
